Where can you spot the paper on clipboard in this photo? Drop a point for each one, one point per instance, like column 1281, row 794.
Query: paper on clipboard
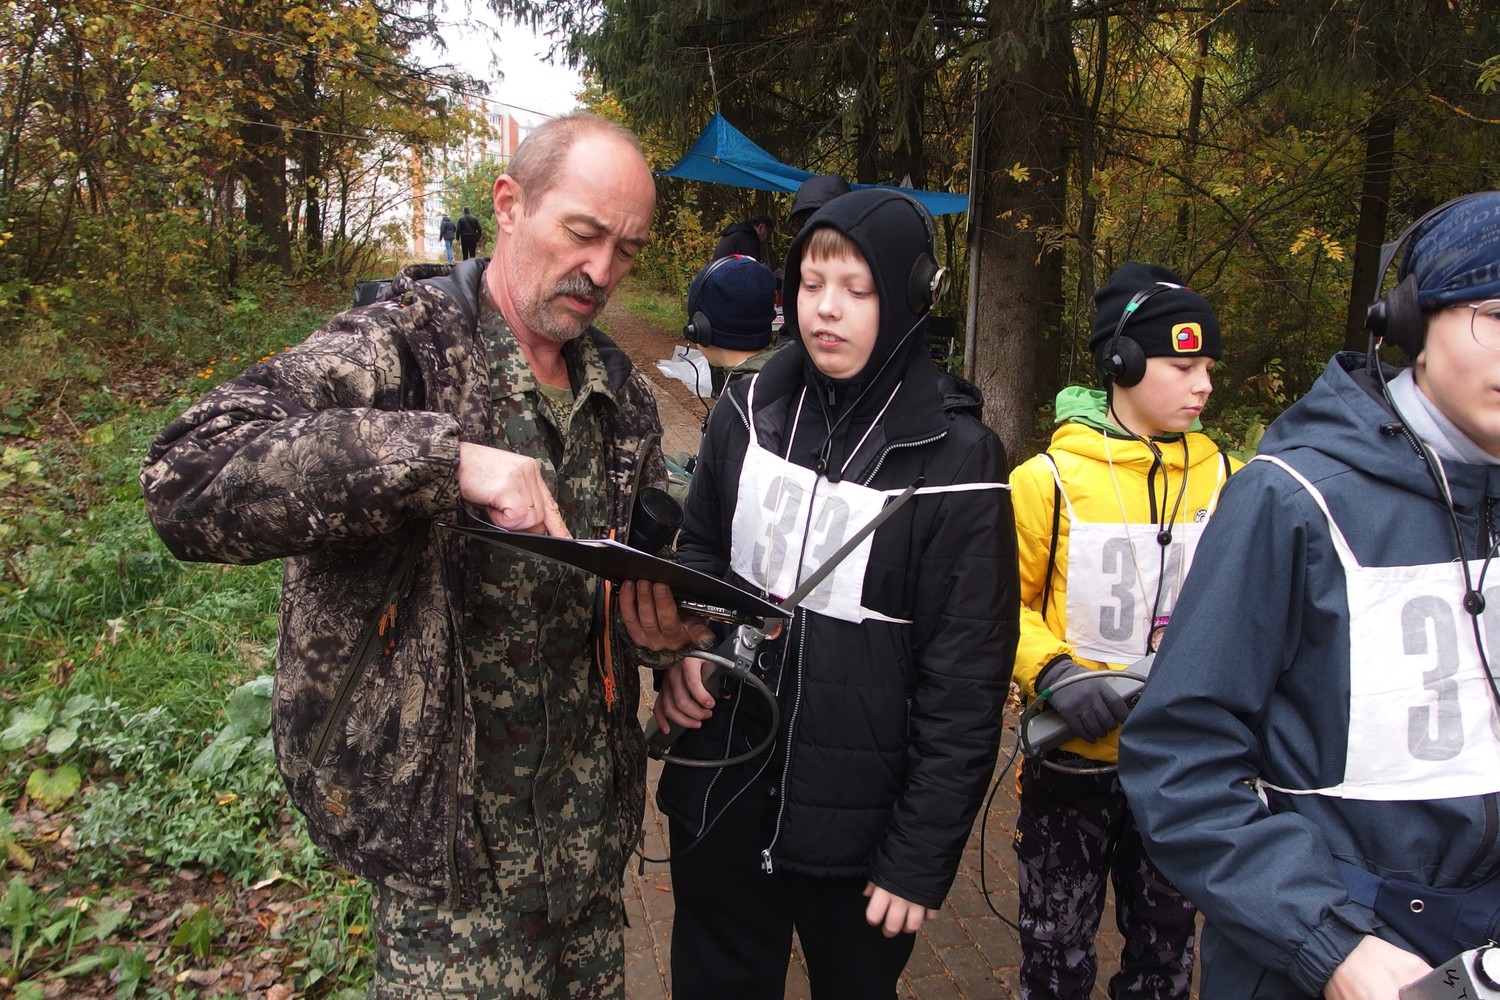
column 617, row 562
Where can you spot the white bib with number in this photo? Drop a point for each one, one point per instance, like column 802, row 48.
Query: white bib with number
column 1115, row 596
column 788, row 521
column 1422, row 722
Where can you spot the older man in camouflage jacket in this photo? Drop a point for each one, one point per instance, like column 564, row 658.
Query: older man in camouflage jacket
column 458, row 723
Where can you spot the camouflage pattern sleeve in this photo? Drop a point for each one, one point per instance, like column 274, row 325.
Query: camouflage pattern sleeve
column 308, row 448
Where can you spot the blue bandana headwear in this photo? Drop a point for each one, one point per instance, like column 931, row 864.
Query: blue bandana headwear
column 1456, row 256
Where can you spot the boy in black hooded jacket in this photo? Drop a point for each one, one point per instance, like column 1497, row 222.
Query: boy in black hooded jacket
column 891, row 676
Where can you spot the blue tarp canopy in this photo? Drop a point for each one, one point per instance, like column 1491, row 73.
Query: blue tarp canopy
column 723, row 154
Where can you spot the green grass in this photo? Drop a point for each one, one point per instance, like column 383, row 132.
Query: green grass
column 136, row 688
column 655, row 305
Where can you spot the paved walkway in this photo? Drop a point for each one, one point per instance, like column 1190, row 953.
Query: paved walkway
column 967, row 954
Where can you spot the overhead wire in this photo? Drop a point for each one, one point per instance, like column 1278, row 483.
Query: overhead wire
column 397, row 70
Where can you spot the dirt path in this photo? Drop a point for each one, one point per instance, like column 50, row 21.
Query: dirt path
column 646, row 343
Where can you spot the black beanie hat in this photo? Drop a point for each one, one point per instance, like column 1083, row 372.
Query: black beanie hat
column 738, row 296
column 1175, row 321
column 815, row 192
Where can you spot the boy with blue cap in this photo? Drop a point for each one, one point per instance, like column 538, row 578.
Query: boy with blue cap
column 731, row 310
column 1316, row 759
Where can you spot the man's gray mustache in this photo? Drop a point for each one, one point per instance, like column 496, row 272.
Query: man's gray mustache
column 580, row 284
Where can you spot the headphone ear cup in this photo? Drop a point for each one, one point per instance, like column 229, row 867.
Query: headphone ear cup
column 699, row 331
column 1396, row 317
column 1125, row 364
column 926, row 284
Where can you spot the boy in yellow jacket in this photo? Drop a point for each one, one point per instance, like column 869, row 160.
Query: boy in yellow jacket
column 1107, row 520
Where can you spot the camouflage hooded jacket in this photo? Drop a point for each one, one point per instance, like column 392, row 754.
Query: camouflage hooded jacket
column 338, row 455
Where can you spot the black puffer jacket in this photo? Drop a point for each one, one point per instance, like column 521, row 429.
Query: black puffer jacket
column 892, row 728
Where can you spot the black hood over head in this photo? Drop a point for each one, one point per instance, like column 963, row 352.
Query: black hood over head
column 893, row 233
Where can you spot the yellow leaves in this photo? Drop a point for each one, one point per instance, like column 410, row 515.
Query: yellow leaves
column 1312, row 237
column 18, row 856
column 19, row 465
column 1019, row 172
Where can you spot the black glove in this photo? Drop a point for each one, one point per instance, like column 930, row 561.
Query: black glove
column 1090, row 708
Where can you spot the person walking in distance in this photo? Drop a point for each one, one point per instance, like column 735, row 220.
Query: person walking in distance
column 469, row 231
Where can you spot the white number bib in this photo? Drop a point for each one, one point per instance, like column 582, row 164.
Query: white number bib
column 1113, row 596
column 788, row 521
column 1422, row 724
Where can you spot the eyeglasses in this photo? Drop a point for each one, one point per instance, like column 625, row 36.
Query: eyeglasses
column 1484, row 323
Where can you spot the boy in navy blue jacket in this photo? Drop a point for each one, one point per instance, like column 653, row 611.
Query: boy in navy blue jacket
column 1316, row 759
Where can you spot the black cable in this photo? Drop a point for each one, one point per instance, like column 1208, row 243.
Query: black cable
column 1164, row 527
column 698, row 387
column 1023, row 743
column 1164, row 537
column 1473, row 600
column 707, row 827
column 984, row 820
column 744, row 676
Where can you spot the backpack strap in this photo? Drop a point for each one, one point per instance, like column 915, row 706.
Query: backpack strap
column 1057, row 499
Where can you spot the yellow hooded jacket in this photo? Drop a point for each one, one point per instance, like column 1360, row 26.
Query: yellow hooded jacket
column 1102, row 471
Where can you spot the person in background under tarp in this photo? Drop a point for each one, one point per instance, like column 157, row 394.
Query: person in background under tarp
column 1316, row 759
column 746, row 238
column 812, row 194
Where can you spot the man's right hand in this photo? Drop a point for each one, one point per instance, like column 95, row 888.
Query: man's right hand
column 683, row 700
column 510, row 489
column 1374, row 970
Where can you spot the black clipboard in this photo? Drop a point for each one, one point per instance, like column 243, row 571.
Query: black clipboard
column 617, row 562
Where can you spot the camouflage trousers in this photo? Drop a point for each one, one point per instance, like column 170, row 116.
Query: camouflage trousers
column 1073, row 832
column 488, row 952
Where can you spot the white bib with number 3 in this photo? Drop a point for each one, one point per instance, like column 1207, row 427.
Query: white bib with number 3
column 788, row 521
column 1422, row 721
column 1113, row 598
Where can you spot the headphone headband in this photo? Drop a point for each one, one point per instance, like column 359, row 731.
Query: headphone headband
column 1396, row 315
column 929, row 280
column 698, row 329
column 1126, row 367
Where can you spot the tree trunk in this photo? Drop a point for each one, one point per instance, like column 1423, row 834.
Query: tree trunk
column 311, row 155
column 266, row 195
column 1180, row 249
column 1017, row 302
column 1374, row 206
column 867, row 135
column 1088, row 136
column 908, row 155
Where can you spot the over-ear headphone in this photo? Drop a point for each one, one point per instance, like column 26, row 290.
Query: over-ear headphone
column 1396, row 316
column 928, row 281
column 1123, row 362
column 698, row 330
